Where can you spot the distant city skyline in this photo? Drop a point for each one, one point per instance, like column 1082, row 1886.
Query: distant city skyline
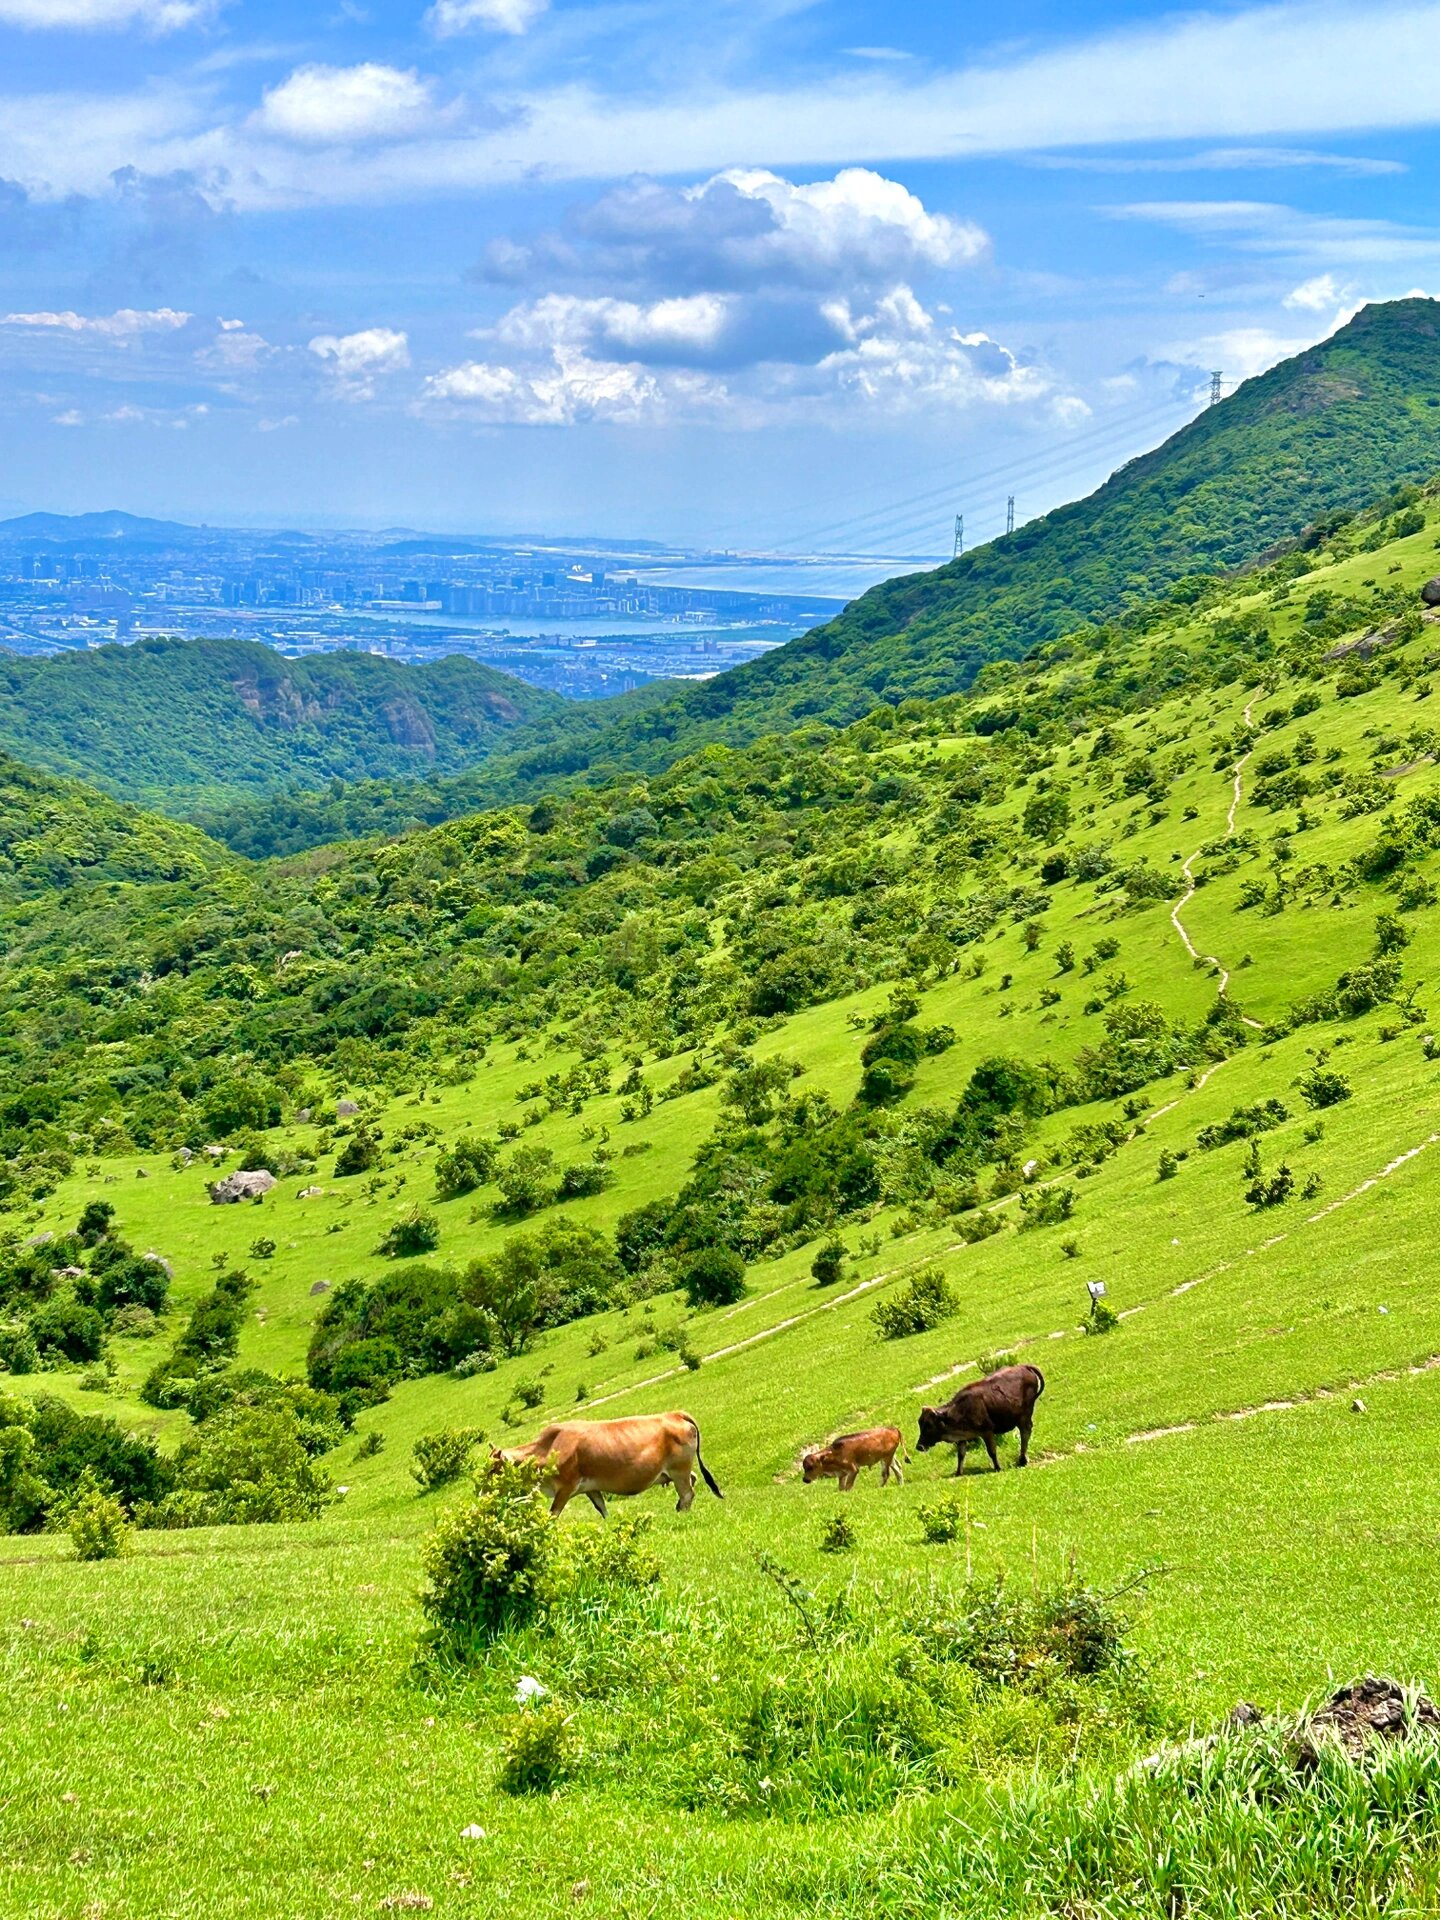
column 805, row 274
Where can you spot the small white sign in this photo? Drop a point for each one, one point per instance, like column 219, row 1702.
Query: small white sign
column 1095, row 1289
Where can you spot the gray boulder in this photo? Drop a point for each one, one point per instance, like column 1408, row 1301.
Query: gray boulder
column 1430, row 592
column 320, row 1286
column 345, row 1108
column 241, row 1186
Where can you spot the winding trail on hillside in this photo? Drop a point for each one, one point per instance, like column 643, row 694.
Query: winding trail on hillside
column 1211, row 959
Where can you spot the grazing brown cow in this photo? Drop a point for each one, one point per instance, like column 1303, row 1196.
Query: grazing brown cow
column 842, row 1459
column 600, row 1457
column 984, row 1410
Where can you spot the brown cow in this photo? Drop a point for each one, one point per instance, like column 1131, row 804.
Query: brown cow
column 843, row 1459
column 600, row 1457
column 984, row 1410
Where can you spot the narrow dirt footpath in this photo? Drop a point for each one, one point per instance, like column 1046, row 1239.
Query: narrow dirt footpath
column 1211, row 959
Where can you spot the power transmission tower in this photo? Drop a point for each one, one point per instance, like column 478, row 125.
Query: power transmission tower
column 1217, row 381
column 959, row 536
column 1010, row 514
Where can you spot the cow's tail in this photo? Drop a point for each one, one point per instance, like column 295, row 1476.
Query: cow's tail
column 1040, row 1377
column 709, row 1477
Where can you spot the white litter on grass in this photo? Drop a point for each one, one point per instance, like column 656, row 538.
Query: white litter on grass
column 527, row 1690
column 472, row 1832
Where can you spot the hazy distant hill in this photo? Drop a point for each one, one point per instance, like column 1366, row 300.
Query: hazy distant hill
column 108, row 525
column 177, row 723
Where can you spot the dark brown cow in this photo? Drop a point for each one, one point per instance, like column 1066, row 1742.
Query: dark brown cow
column 600, row 1457
column 983, row 1411
column 842, row 1459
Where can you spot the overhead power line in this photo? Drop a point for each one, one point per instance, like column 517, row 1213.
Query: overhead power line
column 910, row 511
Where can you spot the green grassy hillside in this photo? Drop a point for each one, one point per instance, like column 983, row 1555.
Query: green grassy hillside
column 1328, row 432
column 1115, row 971
column 186, row 724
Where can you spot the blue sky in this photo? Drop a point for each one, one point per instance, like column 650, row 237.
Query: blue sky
column 742, row 272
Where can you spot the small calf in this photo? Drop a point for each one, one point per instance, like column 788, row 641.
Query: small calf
column 842, row 1459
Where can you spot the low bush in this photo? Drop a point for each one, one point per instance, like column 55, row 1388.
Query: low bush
column 463, row 1167
column 418, row 1232
column 490, row 1563
column 829, row 1263
column 714, row 1277
column 96, row 1521
column 942, row 1520
column 837, row 1535
column 437, row 1459
column 923, row 1302
column 247, row 1466
column 1323, row 1087
column 537, row 1749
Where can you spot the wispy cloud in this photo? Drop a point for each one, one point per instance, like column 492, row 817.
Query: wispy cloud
column 1267, row 227
column 123, row 326
column 90, row 16
column 1266, row 74
column 1222, row 160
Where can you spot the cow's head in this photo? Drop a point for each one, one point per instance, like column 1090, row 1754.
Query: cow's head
column 932, row 1429
column 810, row 1464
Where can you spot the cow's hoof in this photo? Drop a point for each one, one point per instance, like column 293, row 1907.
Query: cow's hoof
column 1022, row 1463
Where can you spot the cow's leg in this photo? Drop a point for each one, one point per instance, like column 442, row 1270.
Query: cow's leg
column 684, row 1483
column 847, row 1479
column 989, row 1440
column 962, row 1447
column 1025, row 1426
column 597, row 1500
column 892, row 1472
column 565, row 1491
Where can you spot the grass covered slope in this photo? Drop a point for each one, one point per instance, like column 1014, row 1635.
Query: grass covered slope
column 923, row 991
column 184, row 724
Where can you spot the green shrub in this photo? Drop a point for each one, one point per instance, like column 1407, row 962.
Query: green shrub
column 1045, row 1207
column 440, row 1458
column 463, row 1167
column 247, row 1466
column 359, row 1154
column 924, row 1301
column 96, row 1521
column 1271, row 1190
column 66, row 1330
column 1102, row 1318
column 942, row 1520
column 18, row 1352
column 617, row 1556
column 1323, row 1087
column 979, row 1224
column 418, row 1232
column 489, row 1563
column 529, row 1393
column 537, row 1749
column 714, row 1277
column 837, row 1535
column 829, row 1263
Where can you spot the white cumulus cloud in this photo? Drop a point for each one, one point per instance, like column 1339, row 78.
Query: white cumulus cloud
column 568, row 389
column 356, row 360
column 449, row 17
column 686, row 324
column 323, row 106
column 1314, row 295
column 745, row 228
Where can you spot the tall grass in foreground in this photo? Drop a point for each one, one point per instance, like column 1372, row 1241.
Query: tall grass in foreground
column 1234, row 1830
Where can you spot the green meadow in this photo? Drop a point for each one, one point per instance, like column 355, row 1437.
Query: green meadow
column 1240, row 1472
